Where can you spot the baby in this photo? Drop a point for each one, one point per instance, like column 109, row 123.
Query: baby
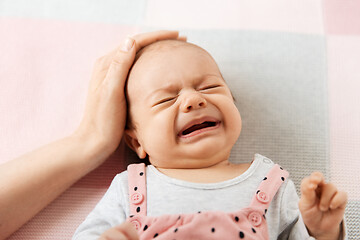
column 182, row 117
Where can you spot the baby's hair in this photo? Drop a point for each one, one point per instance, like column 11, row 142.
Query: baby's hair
column 167, row 44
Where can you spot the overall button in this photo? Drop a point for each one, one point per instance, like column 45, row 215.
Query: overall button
column 136, row 223
column 262, row 197
column 255, row 218
column 137, row 198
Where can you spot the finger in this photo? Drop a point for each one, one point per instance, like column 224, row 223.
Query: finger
column 317, row 178
column 129, row 230
column 308, row 194
column 182, row 38
column 117, row 63
column 113, row 234
column 339, row 200
column 309, row 190
column 120, row 65
column 145, row 39
column 142, row 40
column 328, row 191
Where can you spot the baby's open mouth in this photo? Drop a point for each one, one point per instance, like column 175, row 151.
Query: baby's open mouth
column 206, row 125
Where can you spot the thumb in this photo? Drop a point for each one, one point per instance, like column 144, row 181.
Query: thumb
column 120, row 65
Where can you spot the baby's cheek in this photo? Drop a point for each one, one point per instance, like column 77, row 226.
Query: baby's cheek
column 235, row 122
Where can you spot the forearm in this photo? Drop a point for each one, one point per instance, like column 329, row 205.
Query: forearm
column 32, row 181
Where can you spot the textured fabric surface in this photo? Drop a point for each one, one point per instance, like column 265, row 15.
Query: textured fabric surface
column 293, row 67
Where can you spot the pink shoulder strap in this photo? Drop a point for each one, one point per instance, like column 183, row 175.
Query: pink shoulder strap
column 269, row 187
column 137, row 188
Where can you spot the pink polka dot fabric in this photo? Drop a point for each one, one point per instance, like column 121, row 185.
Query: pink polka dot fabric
column 246, row 223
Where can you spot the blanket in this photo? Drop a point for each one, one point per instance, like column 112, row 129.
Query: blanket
column 292, row 65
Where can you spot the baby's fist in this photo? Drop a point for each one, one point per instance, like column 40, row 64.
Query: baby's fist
column 124, row 231
column 322, row 206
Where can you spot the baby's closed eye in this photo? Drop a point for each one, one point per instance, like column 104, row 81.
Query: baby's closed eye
column 165, row 100
column 209, row 87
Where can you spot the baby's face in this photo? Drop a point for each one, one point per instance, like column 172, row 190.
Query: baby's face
column 182, row 112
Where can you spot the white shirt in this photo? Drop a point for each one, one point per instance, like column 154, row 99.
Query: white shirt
column 166, row 195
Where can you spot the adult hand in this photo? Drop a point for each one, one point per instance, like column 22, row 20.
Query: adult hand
column 105, row 113
column 322, row 207
column 74, row 156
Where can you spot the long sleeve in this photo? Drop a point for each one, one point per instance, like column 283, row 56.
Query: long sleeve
column 292, row 225
column 108, row 212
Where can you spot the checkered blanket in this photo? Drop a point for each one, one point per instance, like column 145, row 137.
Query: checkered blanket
column 293, row 67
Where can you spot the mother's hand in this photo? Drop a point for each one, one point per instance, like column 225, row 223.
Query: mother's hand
column 105, row 112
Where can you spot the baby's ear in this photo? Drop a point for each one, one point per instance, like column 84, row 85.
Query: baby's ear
column 133, row 143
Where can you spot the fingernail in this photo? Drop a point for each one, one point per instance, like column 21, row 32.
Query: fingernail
column 182, row 38
column 128, row 43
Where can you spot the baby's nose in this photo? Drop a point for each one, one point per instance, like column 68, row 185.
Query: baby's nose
column 193, row 101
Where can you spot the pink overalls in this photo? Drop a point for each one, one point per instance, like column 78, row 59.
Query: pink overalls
column 247, row 223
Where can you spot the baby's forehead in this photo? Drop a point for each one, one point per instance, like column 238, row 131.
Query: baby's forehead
column 166, row 55
column 167, row 45
column 170, row 60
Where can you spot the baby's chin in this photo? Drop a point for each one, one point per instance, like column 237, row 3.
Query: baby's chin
column 209, row 147
column 189, row 163
column 200, row 159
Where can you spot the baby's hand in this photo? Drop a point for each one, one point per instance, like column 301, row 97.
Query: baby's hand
column 125, row 231
column 322, row 207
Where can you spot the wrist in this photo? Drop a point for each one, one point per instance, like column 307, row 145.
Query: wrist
column 333, row 235
column 95, row 150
